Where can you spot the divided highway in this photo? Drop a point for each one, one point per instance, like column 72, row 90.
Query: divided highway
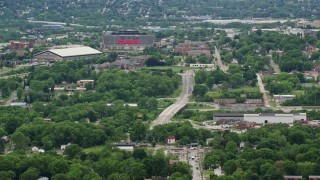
column 169, row 112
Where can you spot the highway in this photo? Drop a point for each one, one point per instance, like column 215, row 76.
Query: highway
column 182, row 100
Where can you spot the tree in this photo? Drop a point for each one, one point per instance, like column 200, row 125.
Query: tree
column 58, row 166
column 231, row 147
column 200, row 90
column 139, row 154
column 30, row 173
column 7, row 175
column 229, row 167
column 20, row 141
column 72, row 151
column 138, row 131
column 117, row 176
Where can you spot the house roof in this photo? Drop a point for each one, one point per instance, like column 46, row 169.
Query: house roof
column 171, row 137
column 77, row 51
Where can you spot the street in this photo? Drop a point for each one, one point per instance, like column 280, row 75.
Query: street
column 194, row 161
column 263, row 91
column 223, row 67
column 182, row 100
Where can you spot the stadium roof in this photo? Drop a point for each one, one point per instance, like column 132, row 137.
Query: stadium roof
column 78, row 51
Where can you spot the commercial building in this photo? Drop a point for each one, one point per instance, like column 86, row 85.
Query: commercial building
column 262, row 118
column 193, row 49
column 67, row 54
column 16, row 45
column 127, row 40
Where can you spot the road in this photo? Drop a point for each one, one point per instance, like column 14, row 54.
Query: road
column 223, row 67
column 182, row 100
column 263, row 91
column 12, row 97
column 275, row 67
column 195, row 164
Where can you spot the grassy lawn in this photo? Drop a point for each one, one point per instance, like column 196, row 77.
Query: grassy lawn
column 174, row 68
column 198, row 106
column 298, row 92
column 273, row 103
column 93, row 149
column 207, row 173
column 246, row 89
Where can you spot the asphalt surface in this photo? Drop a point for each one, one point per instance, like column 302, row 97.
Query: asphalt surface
column 274, row 66
column 194, row 163
column 223, row 67
column 263, row 91
column 182, row 100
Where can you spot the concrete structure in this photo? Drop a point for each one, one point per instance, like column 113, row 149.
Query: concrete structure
column 127, row 40
column 82, row 83
column 202, row 65
column 171, row 139
column 67, row 54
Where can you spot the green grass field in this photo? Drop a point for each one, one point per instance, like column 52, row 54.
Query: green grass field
column 198, row 106
column 93, row 149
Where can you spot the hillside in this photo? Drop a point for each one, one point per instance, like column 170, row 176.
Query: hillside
column 101, row 12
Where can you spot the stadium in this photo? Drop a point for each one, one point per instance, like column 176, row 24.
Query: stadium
column 127, row 41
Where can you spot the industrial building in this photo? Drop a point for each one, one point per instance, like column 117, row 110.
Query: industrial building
column 67, row 54
column 127, row 40
column 262, row 118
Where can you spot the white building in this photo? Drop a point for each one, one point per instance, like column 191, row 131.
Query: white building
column 126, row 146
column 270, row 118
column 67, row 53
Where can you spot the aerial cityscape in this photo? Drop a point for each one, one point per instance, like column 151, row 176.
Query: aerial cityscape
column 160, row 90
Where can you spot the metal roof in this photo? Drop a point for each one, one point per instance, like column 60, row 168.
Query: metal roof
column 78, row 51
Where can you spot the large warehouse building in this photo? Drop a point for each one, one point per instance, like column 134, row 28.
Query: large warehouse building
column 67, row 54
column 127, row 40
column 262, row 118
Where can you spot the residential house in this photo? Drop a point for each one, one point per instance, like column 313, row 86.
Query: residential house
column 171, row 140
column 82, row 83
column 64, row 146
column 292, row 177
